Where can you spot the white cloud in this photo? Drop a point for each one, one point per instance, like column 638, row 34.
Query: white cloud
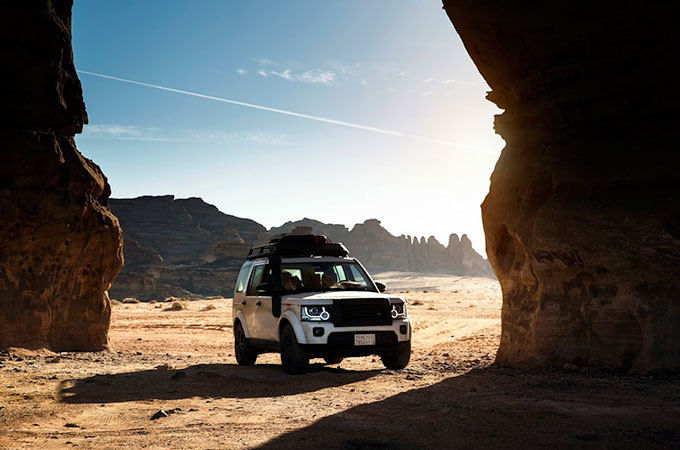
column 429, row 80
column 241, row 71
column 268, row 68
column 317, row 76
column 112, row 130
column 285, row 74
column 426, row 94
column 134, row 133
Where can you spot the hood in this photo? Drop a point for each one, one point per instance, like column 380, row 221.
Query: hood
column 330, row 295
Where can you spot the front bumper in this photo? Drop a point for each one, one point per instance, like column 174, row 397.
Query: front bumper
column 329, row 329
column 342, row 344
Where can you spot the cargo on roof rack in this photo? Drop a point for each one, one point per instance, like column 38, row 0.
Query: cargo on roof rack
column 299, row 245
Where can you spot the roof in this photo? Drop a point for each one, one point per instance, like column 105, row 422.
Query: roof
column 298, row 245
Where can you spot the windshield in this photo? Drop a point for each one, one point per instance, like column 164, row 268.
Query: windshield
column 324, row 276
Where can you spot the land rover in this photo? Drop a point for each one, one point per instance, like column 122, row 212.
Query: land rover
column 305, row 297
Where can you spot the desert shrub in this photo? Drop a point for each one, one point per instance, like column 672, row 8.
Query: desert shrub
column 175, row 299
column 416, row 302
column 209, row 307
column 430, row 308
column 213, row 297
column 152, row 302
column 176, row 306
column 425, row 291
column 130, row 300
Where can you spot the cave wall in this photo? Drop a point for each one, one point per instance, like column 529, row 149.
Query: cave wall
column 60, row 246
column 582, row 219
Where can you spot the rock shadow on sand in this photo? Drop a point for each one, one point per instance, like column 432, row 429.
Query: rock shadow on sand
column 508, row 408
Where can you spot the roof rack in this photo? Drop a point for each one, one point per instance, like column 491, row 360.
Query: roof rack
column 301, row 245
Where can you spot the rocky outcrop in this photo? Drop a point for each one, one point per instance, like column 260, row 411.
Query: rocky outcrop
column 582, row 218
column 180, row 247
column 187, row 248
column 60, row 246
column 380, row 251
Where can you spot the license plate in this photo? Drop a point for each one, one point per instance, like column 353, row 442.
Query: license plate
column 364, row 339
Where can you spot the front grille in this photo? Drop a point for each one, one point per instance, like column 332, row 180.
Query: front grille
column 361, row 312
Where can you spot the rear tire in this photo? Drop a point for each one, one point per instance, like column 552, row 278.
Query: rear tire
column 398, row 361
column 294, row 358
column 245, row 353
column 333, row 359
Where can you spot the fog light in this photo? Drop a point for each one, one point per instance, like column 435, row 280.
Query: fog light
column 403, row 329
column 317, row 331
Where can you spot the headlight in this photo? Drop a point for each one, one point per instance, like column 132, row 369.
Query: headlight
column 315, row 313
column 398, row 311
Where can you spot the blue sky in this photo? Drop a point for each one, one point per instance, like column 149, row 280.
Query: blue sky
column 393, row 65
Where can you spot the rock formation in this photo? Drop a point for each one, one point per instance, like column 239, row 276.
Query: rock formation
column 180, row 247
column 380, row 251
column 188, row 248
column 582, row 218
column 60, row 246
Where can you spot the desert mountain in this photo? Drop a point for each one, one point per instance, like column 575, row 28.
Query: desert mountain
column 185, row 247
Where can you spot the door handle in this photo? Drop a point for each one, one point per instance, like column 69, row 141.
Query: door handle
column 259, row 303
column 243, row 303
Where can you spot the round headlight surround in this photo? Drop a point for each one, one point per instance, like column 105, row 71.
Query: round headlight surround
column 398, row 311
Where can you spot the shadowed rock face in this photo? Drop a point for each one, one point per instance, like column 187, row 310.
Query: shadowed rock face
column 60, row 246
column 180, row 247
column 582, row 218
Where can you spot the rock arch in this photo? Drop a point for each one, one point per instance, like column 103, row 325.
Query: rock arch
column 582, row 218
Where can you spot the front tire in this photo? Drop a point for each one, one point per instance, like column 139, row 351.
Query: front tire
column 245, row 353
column 294, row 358
column 398, row 361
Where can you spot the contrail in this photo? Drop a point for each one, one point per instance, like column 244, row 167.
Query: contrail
column 267, row 108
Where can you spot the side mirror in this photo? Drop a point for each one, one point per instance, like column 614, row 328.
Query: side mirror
column 381, row 286
column 263, row 289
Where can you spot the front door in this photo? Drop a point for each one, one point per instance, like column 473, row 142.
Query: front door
column 261, row 322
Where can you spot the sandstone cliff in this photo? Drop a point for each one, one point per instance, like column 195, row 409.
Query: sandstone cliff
column 60, row 246
column 186, row 247
column 180, row 247
column 582, row 217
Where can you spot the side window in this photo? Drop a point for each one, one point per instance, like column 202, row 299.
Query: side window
column 243, row 277
column 261, row 274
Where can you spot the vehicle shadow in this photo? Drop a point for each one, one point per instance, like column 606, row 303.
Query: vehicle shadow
column 506, row 408
column 204, row 380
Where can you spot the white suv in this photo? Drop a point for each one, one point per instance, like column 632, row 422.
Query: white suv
column 302, row 296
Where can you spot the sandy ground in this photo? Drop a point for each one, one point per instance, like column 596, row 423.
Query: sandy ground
column 449, row 396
